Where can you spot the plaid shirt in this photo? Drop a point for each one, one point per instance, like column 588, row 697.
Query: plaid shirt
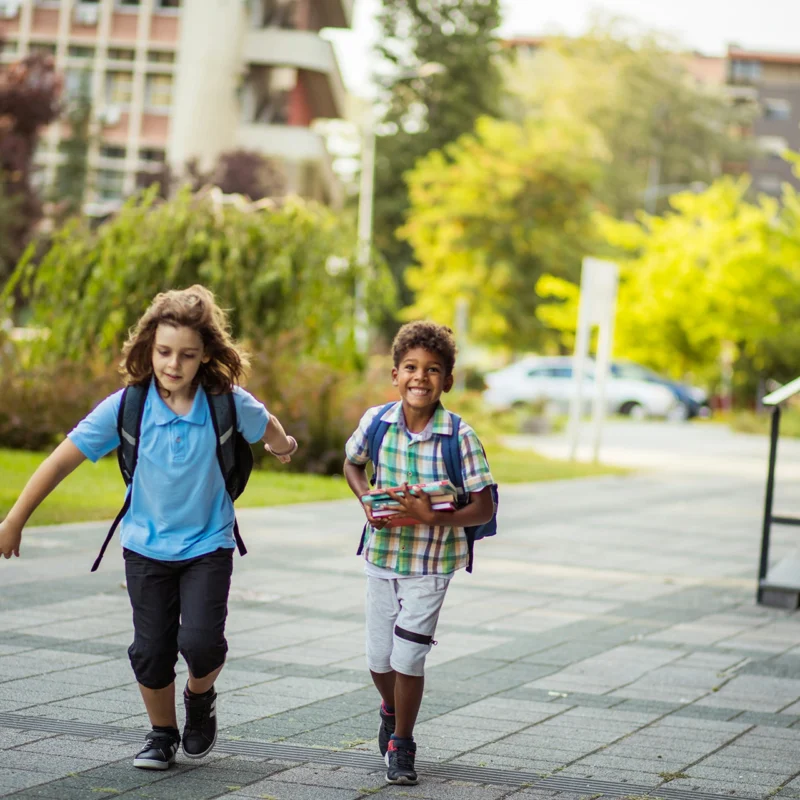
column 417, row 458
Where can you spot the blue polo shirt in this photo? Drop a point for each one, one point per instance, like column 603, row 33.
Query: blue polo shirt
column 179, row 505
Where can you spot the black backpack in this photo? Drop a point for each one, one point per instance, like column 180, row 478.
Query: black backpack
column 233, row 450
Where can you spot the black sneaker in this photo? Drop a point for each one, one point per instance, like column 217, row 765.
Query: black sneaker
column 159, row 750
column 200, row 733
column 386, row 729
column 400, row 760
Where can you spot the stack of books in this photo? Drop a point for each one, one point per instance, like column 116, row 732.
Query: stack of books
column 442, row 494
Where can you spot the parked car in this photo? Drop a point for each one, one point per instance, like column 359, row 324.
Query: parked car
column 691, row 400
column 549, row 379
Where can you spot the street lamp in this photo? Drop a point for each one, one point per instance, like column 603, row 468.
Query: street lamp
column 366, row 205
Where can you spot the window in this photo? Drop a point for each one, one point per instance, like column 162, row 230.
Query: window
column 78, row 51
column 777, row 109
column 128, row 3
column 745, row 71
column 77, row 83
column 169, row 4
column 773, row 146
column 112, row 151
column 109, row 183
column 7, row 46
column 119, row 88
column 158, row 92
column 120, row 54
column 771, row 184
column 152, row 154
column 44, row 49
column 161, row 56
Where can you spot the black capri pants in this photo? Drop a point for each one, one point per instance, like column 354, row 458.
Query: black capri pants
column 178, row 606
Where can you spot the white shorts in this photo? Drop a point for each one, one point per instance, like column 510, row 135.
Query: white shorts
column 401, row 620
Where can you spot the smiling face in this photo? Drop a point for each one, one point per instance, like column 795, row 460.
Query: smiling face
column 421, row 378
column 177, row 356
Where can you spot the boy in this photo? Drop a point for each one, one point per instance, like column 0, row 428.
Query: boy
column 409, row 568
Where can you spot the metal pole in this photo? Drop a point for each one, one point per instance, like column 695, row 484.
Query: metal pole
column 773, row 454
column 365, row 213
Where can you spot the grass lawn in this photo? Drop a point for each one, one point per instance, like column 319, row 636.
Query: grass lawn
column 96, row 491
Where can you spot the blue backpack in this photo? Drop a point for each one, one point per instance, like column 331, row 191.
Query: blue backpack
column 452, row 462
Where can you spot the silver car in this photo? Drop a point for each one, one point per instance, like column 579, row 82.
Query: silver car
column 549, row 379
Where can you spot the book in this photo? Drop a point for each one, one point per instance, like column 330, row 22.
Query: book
column 435, row 498
column 389, row 512
column 395, row 520
column 437, row 487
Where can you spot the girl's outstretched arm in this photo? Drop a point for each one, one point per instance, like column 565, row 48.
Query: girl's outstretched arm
column 60, row 463
column 276, row 441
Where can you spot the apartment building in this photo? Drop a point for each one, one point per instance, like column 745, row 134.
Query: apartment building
column 766, row 83
column 175, row 80
column 771, row 82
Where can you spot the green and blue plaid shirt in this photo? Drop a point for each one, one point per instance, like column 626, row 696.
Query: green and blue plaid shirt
column 417, row 458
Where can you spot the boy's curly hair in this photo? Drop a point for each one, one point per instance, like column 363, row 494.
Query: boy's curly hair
column 194, row 308
column 435, row 338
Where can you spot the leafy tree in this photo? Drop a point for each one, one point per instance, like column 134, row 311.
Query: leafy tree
column 660, row 126
column 271, row 267
column 492, row 214
column 715, row 272
column 426, row 109
column 240, row 172
column 73, row 173
column 29, row 101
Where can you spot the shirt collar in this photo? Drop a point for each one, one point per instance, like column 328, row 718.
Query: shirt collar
column 440, row 423
column 164, row 415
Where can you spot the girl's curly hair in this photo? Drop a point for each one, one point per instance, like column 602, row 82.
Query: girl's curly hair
column 194, row 308
column 429, row 336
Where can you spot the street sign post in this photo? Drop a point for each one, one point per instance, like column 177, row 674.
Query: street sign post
column 597, row 307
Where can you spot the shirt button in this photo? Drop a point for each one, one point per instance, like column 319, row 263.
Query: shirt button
column 177, row 438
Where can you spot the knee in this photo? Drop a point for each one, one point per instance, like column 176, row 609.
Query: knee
column 409, row 651
column 153, row 661
column 203, row 649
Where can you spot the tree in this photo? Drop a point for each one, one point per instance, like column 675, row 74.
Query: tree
column 660, row 126
column 29, row 101
column 492, row 214
column 424, row 111
column 73, row 173
column 271, row 266
column 240, row 172
column 715, row 272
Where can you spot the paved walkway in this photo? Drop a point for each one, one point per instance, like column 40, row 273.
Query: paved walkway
column 607, row 646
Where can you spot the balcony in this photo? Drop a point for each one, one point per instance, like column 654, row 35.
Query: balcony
column 301, row 50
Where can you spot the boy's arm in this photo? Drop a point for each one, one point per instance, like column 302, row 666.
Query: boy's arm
column 478, row 510
column 60, row 463
column 356, row 476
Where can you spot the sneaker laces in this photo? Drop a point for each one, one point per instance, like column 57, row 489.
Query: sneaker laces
column 156, row 738
column 405, row 757
column 197, row 714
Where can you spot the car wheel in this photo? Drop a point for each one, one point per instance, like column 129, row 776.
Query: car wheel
column 633, row 410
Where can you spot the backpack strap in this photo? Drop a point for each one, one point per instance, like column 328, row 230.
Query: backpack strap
column 222, row 408
column 451, row 452
column 375, row 433
column 129, row 426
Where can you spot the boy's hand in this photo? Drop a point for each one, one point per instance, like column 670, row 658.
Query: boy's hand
column 10, row 539
column 415, row 506
column 376, row 522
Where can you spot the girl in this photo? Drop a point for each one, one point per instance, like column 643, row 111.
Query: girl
column 177, row 534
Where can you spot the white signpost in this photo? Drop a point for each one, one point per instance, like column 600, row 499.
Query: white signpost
column 598, row 304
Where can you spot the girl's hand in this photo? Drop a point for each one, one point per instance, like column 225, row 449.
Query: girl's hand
column 415, row 506
column 10, row 539
column 286, row 457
